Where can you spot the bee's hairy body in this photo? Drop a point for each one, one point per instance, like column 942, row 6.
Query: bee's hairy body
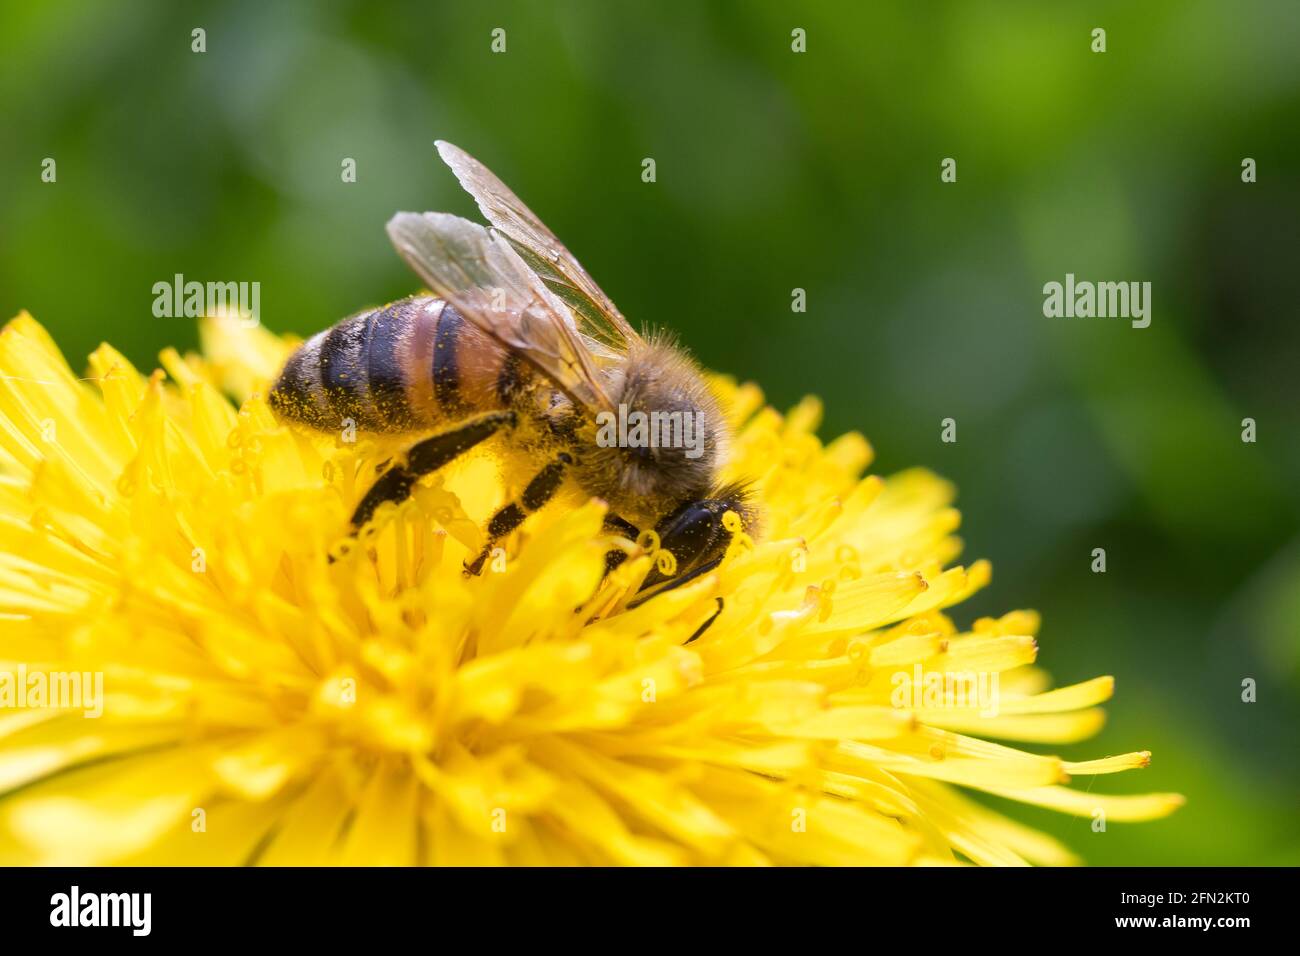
column 518, row 341
column 417, row 366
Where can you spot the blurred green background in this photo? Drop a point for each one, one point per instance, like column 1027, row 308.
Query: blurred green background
column 779, row 170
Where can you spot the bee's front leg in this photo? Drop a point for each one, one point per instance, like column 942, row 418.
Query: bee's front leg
column 697, row 538
column 614, row 524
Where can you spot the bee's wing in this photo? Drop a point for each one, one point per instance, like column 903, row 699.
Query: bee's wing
column 598, row 317
column 479, row 273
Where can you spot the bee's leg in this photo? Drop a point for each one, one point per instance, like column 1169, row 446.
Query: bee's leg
column 539, row 491
column 425, row 457
column 613, row 558
column 613, row 524
column 695, row 536
column 707, row 624
column 656, row 584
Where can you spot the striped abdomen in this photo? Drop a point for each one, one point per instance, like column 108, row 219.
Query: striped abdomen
column 408, row 366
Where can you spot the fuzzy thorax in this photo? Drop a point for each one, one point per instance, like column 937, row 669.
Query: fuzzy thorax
column 662, row 442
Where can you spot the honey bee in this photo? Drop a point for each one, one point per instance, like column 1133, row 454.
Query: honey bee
column 518, row 340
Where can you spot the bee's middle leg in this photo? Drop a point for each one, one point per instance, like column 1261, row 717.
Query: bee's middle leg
column 538, row 492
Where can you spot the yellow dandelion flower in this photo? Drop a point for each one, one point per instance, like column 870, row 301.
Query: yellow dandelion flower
column 262, row 704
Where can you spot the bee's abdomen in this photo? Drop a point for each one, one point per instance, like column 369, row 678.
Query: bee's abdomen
column 406, row 366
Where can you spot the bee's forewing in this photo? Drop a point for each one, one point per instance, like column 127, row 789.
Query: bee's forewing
column 482, row 275
column 597, row 315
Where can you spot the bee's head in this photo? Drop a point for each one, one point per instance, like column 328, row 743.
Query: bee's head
column 662, row 442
